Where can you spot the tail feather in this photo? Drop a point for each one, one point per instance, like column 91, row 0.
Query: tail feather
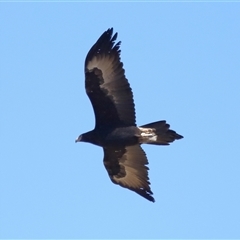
column 163, row 135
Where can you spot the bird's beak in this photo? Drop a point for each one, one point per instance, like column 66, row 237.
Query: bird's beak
column 78, row 139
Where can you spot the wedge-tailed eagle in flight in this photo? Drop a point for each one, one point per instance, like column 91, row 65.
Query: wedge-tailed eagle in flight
column 115, row 127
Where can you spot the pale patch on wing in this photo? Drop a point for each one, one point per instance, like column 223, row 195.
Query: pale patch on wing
column 103, row 63
column 127, row 167
column 114, row 80
column 133, row 162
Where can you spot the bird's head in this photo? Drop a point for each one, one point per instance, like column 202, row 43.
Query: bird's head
column 90, row 137
column 85, row 137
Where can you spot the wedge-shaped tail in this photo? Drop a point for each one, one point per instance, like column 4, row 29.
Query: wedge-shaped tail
column 158, row 133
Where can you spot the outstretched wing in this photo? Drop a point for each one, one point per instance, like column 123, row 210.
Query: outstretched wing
column 126, row 166
column 106, row 84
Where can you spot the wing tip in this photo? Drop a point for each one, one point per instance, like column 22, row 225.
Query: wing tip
column 105, row 44
column 147, row 194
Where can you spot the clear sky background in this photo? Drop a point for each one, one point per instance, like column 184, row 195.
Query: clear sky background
column 183, row 63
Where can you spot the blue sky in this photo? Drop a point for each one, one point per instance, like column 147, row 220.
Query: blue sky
column 182, row 61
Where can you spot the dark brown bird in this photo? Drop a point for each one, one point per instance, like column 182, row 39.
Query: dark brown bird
column 115, row 126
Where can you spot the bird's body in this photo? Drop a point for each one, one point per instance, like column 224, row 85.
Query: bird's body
column 115, row 127
column 110, row 137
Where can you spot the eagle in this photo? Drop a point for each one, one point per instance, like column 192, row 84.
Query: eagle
column 115, row 122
